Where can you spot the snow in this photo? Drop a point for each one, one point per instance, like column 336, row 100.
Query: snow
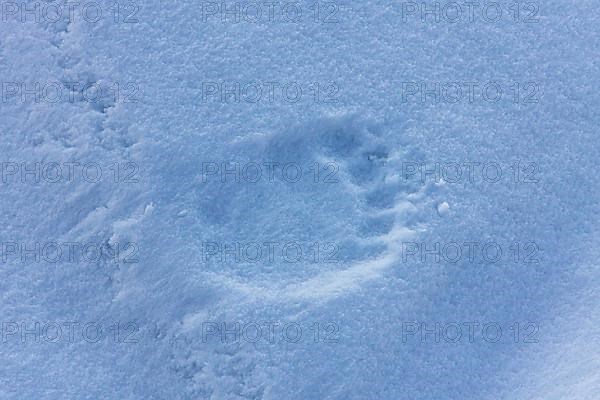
column 299, row 206
column 443, row 208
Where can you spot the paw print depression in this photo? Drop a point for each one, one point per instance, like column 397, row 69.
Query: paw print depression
column 308, row 213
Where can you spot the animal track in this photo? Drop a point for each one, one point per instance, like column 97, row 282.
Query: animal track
column 217, row 369
column 362, row 209
column 359, row 202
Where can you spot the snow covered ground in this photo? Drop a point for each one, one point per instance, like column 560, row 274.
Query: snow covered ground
column 299, row 200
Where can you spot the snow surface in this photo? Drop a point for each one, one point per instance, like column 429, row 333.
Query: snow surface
column 164, row 131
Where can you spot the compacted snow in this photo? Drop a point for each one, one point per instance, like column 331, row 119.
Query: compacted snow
column 299, row 200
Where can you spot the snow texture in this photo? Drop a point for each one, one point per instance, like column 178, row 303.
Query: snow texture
column 299, row 200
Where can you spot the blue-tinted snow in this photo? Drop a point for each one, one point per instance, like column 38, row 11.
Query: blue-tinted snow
column 166, row 120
